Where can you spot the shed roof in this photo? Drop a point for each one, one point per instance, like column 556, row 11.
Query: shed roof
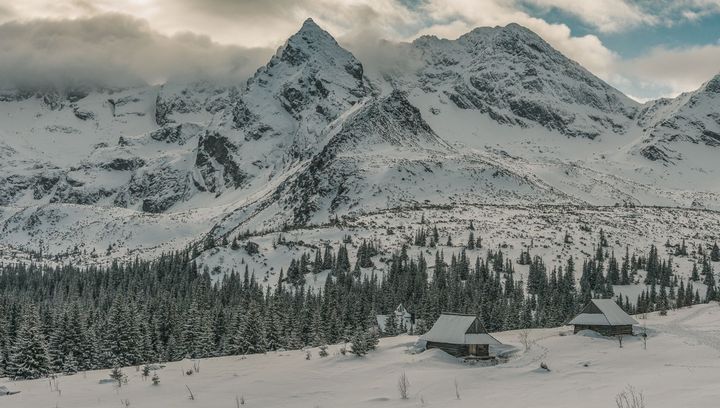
column 381, row 321
column 603, row 312
column 459, row 329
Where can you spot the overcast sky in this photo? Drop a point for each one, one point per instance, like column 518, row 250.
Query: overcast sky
column 646, row 48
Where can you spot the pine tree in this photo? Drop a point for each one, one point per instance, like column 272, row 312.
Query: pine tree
column 29, row 357
column 119, row 377
column 196, row 340
column 625, row 268
column 603, row 239
column 682, row 249
column 391, row 325
column 715, row 253
column 359, row 341
column 695, row 276
column 4, row 343
column 663, row 301
column 120, row 342
column 709, row 281
column 70, row 364
column 689, row 301
column 328, row 260
column 146, row 371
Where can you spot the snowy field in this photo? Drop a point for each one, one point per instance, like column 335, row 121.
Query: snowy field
column 680, row 368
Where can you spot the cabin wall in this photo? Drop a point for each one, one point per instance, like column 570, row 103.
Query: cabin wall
column 459, row 350
column 623, row 330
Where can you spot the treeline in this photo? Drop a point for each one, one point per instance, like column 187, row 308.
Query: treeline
column 69, row 319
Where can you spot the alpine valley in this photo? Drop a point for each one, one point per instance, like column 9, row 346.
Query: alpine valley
column 484, row 193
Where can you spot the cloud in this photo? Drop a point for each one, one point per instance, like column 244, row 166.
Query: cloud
column 456, row 17
column 114, row 50
column 606, row 15
column 269, row 23
column 5, row 13
column 69, row 41
column 690, row 10
column 671, row 71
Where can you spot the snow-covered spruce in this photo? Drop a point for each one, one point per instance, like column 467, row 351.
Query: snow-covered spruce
column 169, row 309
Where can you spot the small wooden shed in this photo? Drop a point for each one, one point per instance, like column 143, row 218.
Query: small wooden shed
column 605, row 317
column 460, row 335
column 403, row 319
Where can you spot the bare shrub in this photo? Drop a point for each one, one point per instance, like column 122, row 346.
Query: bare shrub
column 630, row 398
column 403, row 385
column 524, row 337
column 55, row 385
column 643, row 337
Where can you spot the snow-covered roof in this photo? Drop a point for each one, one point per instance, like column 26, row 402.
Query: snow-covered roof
column 381, row 321
column 603, row 312
column 459, row 329
column 401, row 310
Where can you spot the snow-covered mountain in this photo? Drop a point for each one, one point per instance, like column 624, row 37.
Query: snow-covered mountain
column 673, row 126
column 517, row 79
column 496, row 117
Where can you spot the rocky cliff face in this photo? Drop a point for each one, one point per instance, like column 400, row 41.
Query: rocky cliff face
column 309, row 136
column 669, row 125
column 512, row 75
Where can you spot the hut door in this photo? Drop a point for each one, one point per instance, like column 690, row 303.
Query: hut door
column 473, row 349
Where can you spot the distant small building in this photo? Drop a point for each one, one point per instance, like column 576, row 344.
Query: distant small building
column 403, row 319
column 460, row 335
column 605, row 317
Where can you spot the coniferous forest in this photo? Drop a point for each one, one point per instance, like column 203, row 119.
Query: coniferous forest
column 69, row 319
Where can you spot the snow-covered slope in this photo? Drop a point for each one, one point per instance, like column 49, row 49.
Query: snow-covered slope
column 515, row 78
column 673, row 126
column 495, row 117
column 679, row 367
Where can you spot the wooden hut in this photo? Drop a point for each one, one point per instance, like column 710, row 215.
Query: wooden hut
column 403, row 319
column 605, row 317
column 460, row 335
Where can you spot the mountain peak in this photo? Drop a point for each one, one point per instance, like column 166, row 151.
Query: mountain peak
column 311, row 39
column 713, row 85
column 310, row 33
column 515, row 27
column 310, row 24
